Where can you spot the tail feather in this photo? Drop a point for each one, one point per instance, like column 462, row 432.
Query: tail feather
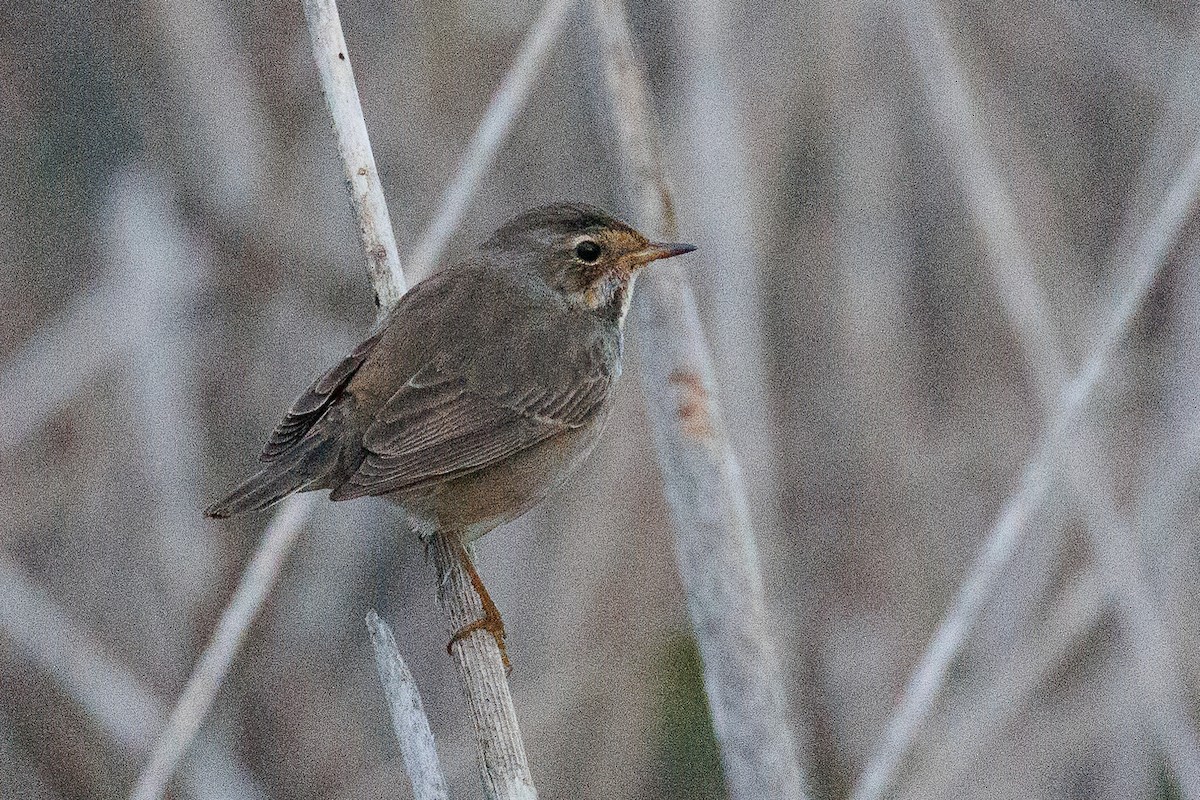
column 305, row 467
column 262, row 489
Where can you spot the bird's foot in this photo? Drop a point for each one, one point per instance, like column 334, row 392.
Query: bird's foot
column 494, row 625
column 491, row 621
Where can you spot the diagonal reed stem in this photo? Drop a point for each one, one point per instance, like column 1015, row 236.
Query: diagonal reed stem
column 387, row 279
column 209, row 672
column 714, row 542
column 408, row 714
column 506, row 103
column 1067, row 406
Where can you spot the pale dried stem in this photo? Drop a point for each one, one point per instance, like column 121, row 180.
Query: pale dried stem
column 504, row 768
column 1066, row 402
column 162, row 268
column 354, row 146
column 408, row 714
column 506, row 103
column 1078, row 611
column 715, row 544
column 505, row 772
column 387, row 280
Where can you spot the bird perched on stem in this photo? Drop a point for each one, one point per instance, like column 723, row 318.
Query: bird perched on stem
column 482, row 390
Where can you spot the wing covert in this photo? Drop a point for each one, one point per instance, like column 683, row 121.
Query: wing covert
column 440, row 429
column 315, row 401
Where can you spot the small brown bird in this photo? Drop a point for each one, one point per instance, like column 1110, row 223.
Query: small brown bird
column 481, row 392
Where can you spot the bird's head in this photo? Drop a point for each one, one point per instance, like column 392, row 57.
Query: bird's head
column 580, row 251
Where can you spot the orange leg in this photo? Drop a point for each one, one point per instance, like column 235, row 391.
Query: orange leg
column 491, row 622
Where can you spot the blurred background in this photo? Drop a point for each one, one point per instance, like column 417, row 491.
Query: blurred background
column 886, row 196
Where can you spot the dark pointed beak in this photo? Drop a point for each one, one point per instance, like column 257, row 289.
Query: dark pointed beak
column 656, row 250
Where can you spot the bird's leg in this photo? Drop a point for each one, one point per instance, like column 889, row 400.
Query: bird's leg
column 491, row 621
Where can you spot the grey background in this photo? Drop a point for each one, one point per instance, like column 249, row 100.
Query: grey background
column 177, row 260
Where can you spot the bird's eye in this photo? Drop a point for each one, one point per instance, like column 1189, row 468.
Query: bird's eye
column 588, row 251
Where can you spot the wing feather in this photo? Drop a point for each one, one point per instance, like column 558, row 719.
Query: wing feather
column 441, row 430
column 316, row 400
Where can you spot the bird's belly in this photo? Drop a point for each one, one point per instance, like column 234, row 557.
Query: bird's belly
column 475, row 504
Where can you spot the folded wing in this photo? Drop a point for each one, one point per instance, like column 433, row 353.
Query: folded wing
column 316, row 400
column 436, row 428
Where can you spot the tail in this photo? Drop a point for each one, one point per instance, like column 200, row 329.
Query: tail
column 305, row 468
column 261, row 490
